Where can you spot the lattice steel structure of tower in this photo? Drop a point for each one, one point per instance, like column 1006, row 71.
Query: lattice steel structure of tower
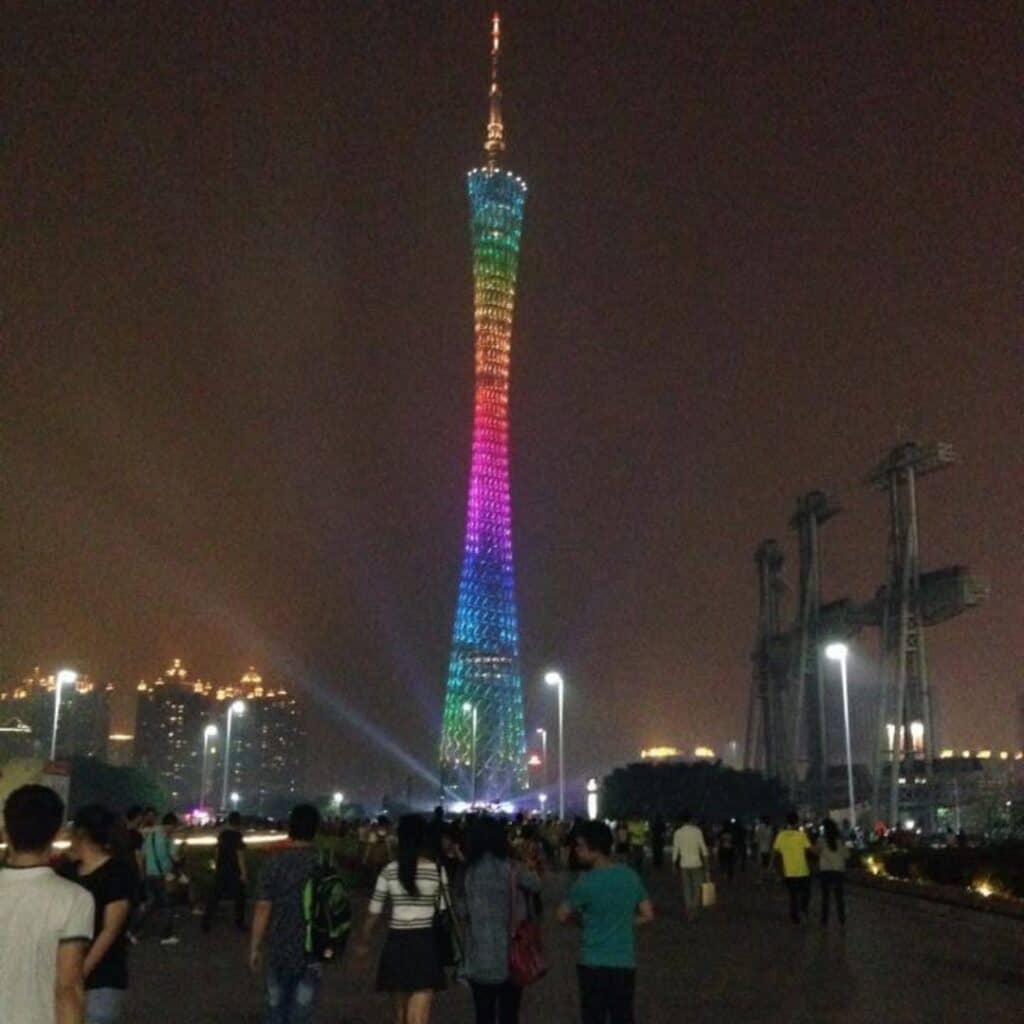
column 483, row 742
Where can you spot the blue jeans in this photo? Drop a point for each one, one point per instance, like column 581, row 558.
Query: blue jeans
column 158, row 901
column 103, row 1005
column 292, row 996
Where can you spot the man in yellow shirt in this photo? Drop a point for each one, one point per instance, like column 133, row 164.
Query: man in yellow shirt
column 790, row 850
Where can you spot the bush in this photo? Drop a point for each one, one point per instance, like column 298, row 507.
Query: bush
column 1001, row 865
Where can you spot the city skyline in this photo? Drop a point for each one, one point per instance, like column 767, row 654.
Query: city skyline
column 763, row 249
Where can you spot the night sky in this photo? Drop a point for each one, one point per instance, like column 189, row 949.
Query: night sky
column 763, row 243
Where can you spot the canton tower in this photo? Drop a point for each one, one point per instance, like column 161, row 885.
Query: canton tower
column 483, row 744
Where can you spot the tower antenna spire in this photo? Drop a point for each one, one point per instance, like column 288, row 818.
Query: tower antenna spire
column 494, row 146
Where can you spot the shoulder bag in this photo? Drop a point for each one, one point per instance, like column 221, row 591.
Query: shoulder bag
column 526, row 960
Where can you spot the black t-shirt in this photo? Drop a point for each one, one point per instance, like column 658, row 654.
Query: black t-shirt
column 109, row 883
column 135, row 840
column 229, row 843
column 281, row 882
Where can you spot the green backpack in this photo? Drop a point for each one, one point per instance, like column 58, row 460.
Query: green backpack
column 327, row 911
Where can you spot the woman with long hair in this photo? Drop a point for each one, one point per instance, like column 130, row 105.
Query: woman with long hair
column 832, row 856
column 113, row 885
column 497, row 895
column 414, row 888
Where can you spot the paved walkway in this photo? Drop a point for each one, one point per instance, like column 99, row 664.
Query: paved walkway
column 899, row 960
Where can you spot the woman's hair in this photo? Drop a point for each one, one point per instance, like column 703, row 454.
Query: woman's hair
column 831, row 830
column 486, row 835
column 96, row 823
column 412, row 840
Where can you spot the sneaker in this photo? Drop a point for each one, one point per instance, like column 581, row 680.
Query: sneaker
column 171, row 940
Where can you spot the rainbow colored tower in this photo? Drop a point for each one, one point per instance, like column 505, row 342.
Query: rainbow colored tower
column 483, row 743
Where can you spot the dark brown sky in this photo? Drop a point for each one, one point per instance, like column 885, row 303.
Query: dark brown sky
column 762, row 244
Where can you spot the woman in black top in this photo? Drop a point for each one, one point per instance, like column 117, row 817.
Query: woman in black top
column 112, row 885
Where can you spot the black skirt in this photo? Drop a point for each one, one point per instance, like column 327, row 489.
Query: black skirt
column 411, row 961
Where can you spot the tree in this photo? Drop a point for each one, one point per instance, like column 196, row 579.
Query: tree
column 114, row 786
column 711, row 791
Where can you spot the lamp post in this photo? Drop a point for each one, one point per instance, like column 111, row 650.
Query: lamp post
column 470, row 709
column 236, row 708
column 210, row 732
column 65, row 675
column 234, row 801
column 838, row 652
column 337, row 800
column 543, row 733
column 555, row 679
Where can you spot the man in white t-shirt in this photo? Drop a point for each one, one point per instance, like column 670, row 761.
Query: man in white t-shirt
column 690, row 855
column 46, row 922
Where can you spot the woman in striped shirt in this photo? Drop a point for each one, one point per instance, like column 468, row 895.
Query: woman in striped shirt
column 414, row 888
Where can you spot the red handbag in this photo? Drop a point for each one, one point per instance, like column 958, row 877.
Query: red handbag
column 526, row 960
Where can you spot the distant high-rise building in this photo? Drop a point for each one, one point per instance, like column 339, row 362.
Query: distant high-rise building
column 169, row 720
column 267, row 747
column 268, row 741
column 83, row 721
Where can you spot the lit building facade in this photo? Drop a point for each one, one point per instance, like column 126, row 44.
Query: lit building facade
column 268, row 742
column 169, row 717
column 266, row 761
column 84, row 718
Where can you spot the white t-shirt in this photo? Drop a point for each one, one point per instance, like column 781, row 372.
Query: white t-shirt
column 38, row 911
column 763, row 836
column 688, row 847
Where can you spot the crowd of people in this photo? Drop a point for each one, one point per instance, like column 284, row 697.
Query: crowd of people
column 462, row 900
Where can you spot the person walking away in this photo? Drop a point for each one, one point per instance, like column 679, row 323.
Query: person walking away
column 112, row 884
column 739, row 845
column 609, row 901
column 638, row 833
column 763, row 840
column 832, row 856
column 161, row 873
column 414, row 888
column 46, row 922
column 230, row 877
column 133, row 818
column 277, row 942
column 690, row 856
column 496, row 897
column 790, row 850
column 727, row 850
column 621, row 846
column 658, row 832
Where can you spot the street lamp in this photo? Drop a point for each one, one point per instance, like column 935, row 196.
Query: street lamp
column 838, row 652
column 64, row 676
column 338, row 799
column 209, row 733
column 543, row 733
column 470, row 708
column 543, row 798
column 236, row 708
column 555, row 679
column 234, row 801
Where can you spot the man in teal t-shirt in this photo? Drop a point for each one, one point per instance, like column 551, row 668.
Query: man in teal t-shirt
column 609, row 901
